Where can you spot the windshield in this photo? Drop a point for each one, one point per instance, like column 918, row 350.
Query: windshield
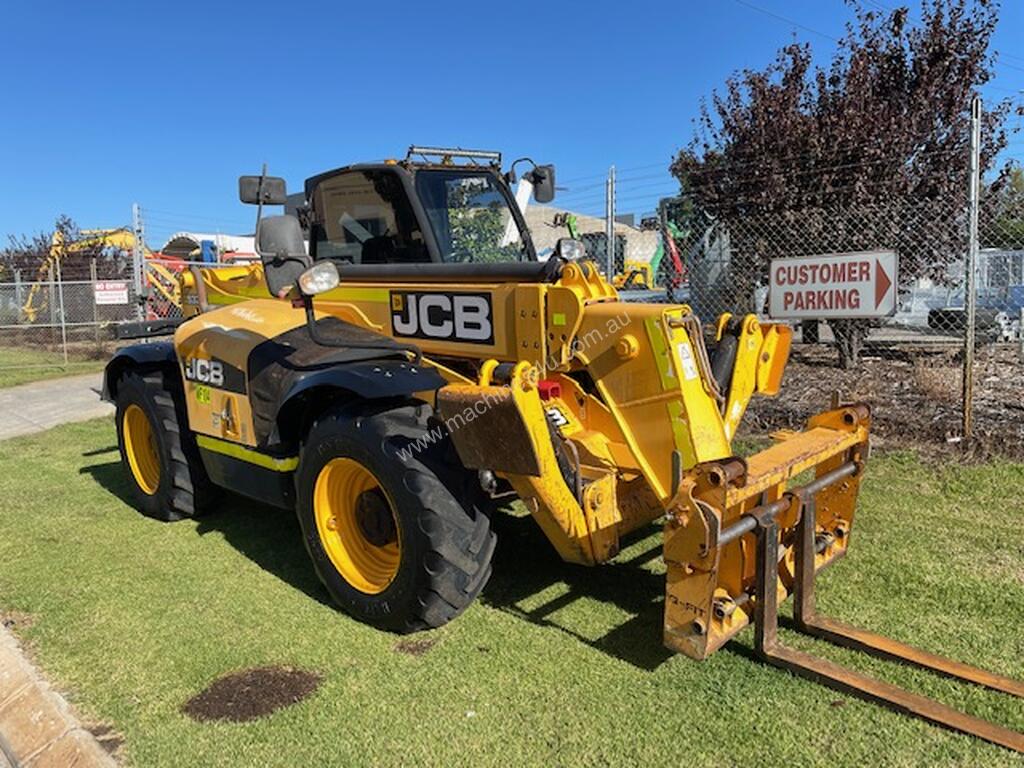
column 470, row 217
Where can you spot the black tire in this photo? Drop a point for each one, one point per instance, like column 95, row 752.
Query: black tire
column 184, row 489
column 445, row 549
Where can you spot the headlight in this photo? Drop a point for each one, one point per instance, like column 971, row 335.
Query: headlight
column 322, row 276
column 569, row 249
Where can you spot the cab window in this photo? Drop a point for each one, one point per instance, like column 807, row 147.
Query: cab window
column 470, row 215
column 364, row 217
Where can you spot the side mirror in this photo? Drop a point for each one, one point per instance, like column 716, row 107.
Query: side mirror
column 282, row 250
column 543, row 179
column 262, row 190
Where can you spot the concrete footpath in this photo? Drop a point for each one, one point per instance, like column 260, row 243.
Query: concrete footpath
column 37, row 727
column 41, row 405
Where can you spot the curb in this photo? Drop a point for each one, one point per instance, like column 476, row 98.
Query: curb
column 37, row 727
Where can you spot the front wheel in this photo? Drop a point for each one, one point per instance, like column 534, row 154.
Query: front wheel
column 387, row 537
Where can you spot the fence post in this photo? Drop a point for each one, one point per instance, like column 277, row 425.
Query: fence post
column 63, row 314
column 1020, row 332
column 51, row 301
column 19, row 300
column 95, row 306
column 138, row 258
column 970, row 269
column 609, row 224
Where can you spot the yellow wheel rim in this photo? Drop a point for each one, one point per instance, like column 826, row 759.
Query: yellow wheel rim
column 140, row 448
column 357, row 525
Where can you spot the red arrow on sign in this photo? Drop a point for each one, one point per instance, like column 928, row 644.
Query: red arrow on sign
column 882, row 283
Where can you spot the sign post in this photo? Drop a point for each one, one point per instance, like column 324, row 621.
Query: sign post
column 837, row 285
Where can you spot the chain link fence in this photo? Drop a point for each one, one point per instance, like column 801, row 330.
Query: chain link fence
column 910, row 364
column 62, row 323
column 718, row 266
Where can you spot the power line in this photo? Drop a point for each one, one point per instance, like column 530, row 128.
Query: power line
column 1011, row 56
column 1010, row 66
column 832, row 151
column 182, row 216
column 746, row 175
column 878, row 6
column 786, row 20
column 617, row 170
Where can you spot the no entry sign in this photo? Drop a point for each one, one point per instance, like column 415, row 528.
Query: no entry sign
column 111, row 292
column 837, row 285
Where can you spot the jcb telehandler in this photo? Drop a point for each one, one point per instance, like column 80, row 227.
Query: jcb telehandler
column 415, row 361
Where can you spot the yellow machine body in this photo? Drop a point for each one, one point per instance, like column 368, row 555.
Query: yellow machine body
column 627, row 385
column 635, row 274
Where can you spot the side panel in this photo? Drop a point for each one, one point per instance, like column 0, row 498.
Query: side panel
column 213, row 354
column 242, row 364
column 256, row 475
column 477, row 321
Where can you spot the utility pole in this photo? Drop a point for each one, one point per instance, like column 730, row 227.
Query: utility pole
column 609, row 224
column 970, row 269
column 138, row 259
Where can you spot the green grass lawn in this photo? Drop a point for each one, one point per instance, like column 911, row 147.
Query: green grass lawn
column 554, row 665
column 20, row 365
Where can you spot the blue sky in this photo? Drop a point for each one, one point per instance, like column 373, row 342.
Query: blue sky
column 165, row 104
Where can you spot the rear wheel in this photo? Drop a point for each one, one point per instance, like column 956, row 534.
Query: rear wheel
column 157, row 451
column 388, row 538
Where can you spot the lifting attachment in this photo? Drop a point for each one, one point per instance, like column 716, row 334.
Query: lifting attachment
column 762, row 520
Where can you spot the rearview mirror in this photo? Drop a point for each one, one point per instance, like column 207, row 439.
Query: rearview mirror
column 283, row 252
column 268, row 190
column 543, row 179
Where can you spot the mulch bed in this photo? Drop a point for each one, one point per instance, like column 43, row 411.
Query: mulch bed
column 251, row 693
column 914, row 394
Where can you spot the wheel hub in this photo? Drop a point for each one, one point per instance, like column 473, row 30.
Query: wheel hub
column 374, row 518
column 357, row 525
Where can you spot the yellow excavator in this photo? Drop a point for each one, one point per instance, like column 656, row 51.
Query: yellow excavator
column 161, row 274
column 92, row 240
column 414, row 362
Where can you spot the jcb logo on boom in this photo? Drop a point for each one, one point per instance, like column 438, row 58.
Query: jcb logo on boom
column 445, row 316
column 205, row 371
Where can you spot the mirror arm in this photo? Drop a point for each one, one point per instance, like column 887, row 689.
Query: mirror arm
column 204, row 305
column 512, row 168
column 259, row 210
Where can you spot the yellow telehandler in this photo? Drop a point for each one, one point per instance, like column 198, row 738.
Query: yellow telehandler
column 405, row 360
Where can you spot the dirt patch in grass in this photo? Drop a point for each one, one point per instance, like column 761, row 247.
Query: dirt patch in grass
column 416, row 646
column 251, row 694
column 914, row 394
column 15, row 620
column 107, row 737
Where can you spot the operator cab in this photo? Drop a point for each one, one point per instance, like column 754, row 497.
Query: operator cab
column 437, row 215
column 424, row 209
